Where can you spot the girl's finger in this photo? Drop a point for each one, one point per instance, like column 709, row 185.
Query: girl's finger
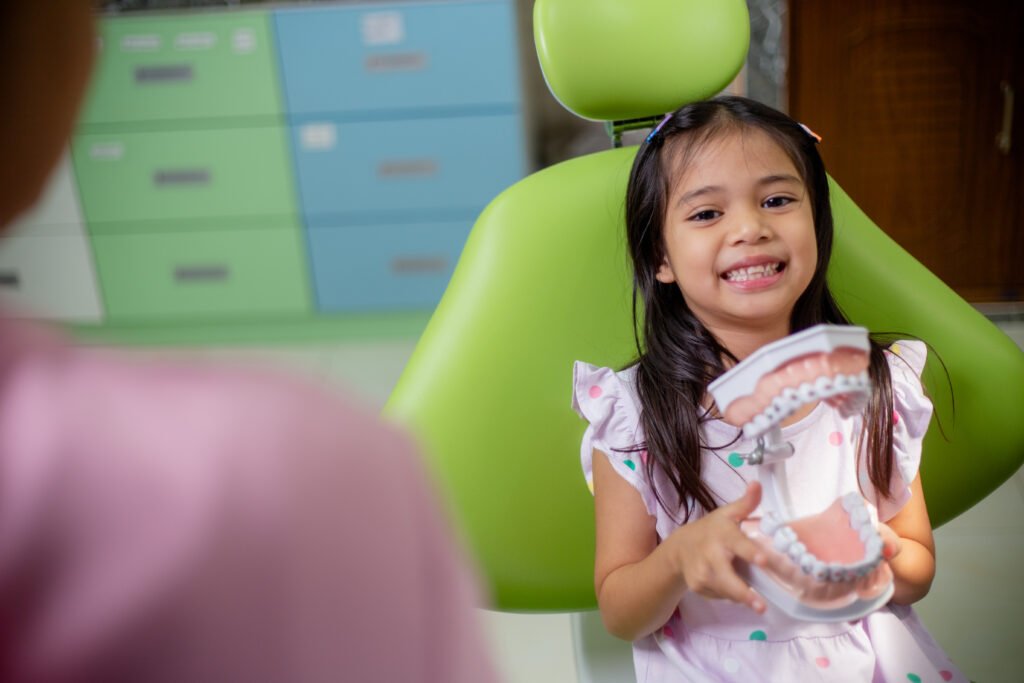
column 731, row 587
column 740, row 509
column 748, row 551
column 891, row 543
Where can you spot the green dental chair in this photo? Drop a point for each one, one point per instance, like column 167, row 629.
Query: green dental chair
column 544, row 281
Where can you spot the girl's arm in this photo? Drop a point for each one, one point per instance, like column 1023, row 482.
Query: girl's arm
column 640, row 582
column 912, row 551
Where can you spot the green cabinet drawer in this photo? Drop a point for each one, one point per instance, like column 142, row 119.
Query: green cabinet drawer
column 174, row 175
column 183, row 67
column 200, row 275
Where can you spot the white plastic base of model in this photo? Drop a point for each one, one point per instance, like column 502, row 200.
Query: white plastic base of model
column 789, row 604
column 742, row 380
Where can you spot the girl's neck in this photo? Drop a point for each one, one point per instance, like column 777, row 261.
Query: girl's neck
column 742, row 341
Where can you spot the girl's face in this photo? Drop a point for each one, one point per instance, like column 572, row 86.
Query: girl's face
column 739, row 235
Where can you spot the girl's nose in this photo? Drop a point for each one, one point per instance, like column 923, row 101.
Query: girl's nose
column 750, row 227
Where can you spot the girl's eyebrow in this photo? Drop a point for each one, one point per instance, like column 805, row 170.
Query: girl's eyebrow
column 778, row 178
column 710, row 189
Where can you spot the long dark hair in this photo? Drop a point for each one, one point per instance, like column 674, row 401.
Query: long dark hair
column 677, row 356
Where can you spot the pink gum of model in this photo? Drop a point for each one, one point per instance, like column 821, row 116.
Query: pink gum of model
column 830, row 538
column 805, row 369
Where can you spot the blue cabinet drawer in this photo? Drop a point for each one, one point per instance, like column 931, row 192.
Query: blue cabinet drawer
column 384, row 267
column 355, row 168
column 383, row 57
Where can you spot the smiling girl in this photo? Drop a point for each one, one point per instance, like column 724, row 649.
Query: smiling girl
column 730, row 233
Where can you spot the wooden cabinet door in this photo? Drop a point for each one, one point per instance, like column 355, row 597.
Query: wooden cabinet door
column 910, row 98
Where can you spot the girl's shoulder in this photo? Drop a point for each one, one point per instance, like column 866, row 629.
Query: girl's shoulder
column 906, row 359
column 601, row 394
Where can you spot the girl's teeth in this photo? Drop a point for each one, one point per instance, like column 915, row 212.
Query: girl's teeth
column 752, row 272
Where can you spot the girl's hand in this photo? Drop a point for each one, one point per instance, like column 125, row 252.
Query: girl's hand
column 707, row 548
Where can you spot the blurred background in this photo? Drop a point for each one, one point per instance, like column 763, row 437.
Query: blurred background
column 290, row 184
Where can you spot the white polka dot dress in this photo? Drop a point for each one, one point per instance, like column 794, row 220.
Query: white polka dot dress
column 715, row 640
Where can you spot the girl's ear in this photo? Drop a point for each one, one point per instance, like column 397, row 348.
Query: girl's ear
column 665, row 274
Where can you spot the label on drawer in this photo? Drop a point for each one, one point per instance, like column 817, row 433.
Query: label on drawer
column 383, row 28
column 318, row 136
column 243, row 40
column 106, row 151
column 140, row 42
column 196, row 40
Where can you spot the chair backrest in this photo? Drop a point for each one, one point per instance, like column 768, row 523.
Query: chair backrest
column 544, row 281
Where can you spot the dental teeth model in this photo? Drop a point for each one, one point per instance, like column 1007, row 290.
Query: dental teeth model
column 828, row 566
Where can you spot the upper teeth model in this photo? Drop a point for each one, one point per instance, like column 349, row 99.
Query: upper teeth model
column 826, row 567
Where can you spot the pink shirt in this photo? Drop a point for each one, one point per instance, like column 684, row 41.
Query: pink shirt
column 184, row 523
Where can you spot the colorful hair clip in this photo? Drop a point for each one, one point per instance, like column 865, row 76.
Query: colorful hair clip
column 817, row 138
column 654, row 132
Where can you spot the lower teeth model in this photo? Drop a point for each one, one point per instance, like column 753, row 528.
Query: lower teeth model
column 828, row 566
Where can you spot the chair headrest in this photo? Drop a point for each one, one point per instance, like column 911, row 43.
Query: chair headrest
column 615, row 60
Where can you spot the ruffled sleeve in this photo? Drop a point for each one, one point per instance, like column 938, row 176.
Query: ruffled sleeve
column 911, row 415
column 607, row 400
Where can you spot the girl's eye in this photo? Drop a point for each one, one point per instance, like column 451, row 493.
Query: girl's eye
column 776, row 202
column 705, row 215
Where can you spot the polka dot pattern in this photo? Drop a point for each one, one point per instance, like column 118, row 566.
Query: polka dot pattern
column 946, row 675
column 823, row 662
column 759, row 635
column 731, row 665
column 913, row 678
column 595, row 392
column 895, row 418
column 631, row 465
column 835, row 438
column 735, row 459
column 669, row 633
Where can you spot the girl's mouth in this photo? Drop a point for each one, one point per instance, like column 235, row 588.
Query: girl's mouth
column 751, row 273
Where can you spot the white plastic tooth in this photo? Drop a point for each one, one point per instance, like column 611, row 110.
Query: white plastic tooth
column 859, row 517
column 866, row 532
column 807, row 563
column 806, row 392
column 873, row 547
column 781, row 541
column 796, row 551
column 836, row 572
column 851, row 501
column 781, row 406
column 761, row 423
column 823, row 385
column 789, row 394
column 770, row 524
column 865, row 378
column 843, row 383
column 819, row 570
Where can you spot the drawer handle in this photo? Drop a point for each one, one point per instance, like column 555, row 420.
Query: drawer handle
column 407, row 168
column 387, row 62
column 417, row 265
column 163, row 73
column 208, row 273
column 181, row 176
column 10, row 278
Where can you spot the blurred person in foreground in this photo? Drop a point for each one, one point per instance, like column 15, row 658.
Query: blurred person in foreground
column 170, row 522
